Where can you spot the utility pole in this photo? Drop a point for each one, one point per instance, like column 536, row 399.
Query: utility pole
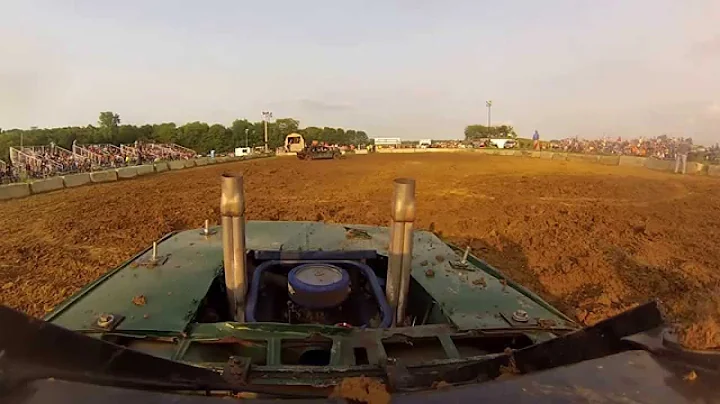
column 488, row 104
column 246, row 137
column 267, row 115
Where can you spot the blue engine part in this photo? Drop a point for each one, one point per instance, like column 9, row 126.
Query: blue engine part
column 318, row 286
column 365, row 271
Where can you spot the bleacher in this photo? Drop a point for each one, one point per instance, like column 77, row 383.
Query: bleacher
column 46, row 161
column 8, row 173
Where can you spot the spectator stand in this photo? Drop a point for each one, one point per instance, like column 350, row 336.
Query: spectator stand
column 180, row 152
column 661, row 147
column 129, row 152
column 8, row 173
column 158, row 151
column 99, row 155
column 32, row 165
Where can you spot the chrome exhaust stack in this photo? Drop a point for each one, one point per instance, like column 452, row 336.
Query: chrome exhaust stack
column 232, row 210
column 401, row 245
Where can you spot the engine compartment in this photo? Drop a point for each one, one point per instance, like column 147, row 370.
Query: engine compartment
column 344, row 288
column 337, row 292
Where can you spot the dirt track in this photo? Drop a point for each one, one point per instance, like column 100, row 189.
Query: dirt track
column 592, row 240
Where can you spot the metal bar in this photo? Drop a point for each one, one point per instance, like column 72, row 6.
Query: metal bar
column 239, row 275
column 394, row 272
column 449, row 346
column 400, row 249
column 274, row 349
column 228, row 260
column 265, row 255
column 405, row 273
column 232, row 209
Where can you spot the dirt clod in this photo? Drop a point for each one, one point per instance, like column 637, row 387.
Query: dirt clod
column 690, row 376
column 511, row 368
column 139, row 300
column 362, row 389
column 439, row 385
column 546, row 323
column 429, row 273
column 480, row 282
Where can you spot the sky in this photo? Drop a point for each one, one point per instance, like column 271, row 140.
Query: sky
column 412, row 69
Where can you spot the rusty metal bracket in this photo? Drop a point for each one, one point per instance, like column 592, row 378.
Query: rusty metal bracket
column 463, row 264
column 236, row 370
column 398, row 376
column 519, row 318
column 151, row 263
column 107, row 321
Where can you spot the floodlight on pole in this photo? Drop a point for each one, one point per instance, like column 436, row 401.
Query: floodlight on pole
column 267, row 115
column 488, row 104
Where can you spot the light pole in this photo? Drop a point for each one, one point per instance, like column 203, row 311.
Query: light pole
column 488, row 104
column 267, row 115
column 246, row 137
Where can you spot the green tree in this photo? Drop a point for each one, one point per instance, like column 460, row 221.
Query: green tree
column 505, row 131
column 242, row 129
column 196, row 135
column 109, row 123
column 191, row 135
column 218, row 138
column 165, row 133
column 128, row 134
column 311, row 133
column 474, row 132
column 362, row 138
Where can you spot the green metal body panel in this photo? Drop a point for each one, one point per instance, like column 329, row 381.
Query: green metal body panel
column 172, row 290
column 473, row 302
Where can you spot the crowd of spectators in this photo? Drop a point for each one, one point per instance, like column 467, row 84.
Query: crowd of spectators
column 45, row 161
column 8, row 173
column 111, row 156
column 662, row 147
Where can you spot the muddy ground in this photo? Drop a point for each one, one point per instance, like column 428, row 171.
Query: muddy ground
column 592, row 240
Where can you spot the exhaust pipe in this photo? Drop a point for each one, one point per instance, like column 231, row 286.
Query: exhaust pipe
column 400, row 249
column 232, row 210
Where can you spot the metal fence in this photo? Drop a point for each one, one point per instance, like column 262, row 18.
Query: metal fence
column 48, row 160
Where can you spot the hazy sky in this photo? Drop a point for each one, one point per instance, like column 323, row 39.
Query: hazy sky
column 412, row 69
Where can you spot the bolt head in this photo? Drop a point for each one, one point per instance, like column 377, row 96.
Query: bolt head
column 105, row 319
column 521, row 316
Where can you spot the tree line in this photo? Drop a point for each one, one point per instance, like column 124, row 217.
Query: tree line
column 199, row 136
column 474, row 132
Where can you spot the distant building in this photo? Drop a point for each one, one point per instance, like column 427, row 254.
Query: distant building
column 387, row 141
column 242, row 151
